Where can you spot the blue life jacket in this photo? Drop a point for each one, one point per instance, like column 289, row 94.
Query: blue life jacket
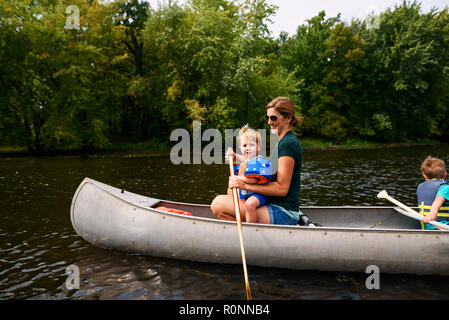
column 426, row 193
column 256, row 167
column 236, row 169
column 260, row 168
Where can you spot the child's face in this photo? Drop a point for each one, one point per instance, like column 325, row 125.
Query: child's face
column 248, row 147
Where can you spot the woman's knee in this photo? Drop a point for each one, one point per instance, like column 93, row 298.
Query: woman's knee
column 217, row 204
column 214, row 205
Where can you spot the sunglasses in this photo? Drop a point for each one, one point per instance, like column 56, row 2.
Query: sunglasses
column 272, row 118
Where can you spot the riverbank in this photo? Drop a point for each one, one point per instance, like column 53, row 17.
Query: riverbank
column 155, row 147
column 316, row 144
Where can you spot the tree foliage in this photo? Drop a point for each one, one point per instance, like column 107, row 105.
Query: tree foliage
column 385, row 84
column 133, row 72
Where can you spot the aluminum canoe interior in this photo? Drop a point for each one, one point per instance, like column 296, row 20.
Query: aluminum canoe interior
column 333, row 217
column 357, row 217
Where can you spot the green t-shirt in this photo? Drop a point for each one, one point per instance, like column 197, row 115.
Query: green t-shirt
column 289, row 146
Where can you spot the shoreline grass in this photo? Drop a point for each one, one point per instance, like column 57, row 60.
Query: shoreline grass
column 317, row 144
column 156, row 147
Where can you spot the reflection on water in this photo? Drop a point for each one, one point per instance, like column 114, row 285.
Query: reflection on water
column 37, row 241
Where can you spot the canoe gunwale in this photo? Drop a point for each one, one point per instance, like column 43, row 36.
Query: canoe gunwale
column 247, row 224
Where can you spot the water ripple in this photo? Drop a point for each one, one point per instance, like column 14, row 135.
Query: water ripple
column 38, row 243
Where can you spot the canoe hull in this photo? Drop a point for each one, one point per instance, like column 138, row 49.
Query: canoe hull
column 108, row 218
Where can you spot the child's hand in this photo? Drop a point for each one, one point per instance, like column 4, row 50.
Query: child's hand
column 428, row 218
column 230, row 153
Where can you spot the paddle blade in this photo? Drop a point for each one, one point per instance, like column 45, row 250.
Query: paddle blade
column 383, row 194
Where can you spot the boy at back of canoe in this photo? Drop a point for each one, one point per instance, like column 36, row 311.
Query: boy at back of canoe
column 433, row 194
column 253, row 169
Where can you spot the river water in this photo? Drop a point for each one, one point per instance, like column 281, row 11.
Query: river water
column 37, row 241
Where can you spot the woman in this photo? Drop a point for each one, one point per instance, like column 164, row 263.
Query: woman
column 283, row 190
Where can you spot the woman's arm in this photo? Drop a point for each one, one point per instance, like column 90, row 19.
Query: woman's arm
column 277, row 188
column 248, row 180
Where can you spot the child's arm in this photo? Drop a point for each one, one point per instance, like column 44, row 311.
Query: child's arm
column 239, row 158
column 436, row 205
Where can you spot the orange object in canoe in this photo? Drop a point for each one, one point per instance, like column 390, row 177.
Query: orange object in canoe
column 174, row 211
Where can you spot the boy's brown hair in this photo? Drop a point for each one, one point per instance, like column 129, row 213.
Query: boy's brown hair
column 433, row 168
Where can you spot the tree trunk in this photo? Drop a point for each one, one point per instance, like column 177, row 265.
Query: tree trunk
column 136, row 48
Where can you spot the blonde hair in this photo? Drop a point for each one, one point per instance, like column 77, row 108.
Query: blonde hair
column 433, row 168
column 251, row 134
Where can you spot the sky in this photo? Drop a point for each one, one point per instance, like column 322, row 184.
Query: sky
column 292, row 13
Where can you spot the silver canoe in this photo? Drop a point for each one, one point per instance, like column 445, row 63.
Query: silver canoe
column 351, row 238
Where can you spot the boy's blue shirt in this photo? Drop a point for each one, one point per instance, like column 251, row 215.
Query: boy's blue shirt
column 443, row 191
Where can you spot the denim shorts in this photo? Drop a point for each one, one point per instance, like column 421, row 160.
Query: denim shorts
column 280, row 216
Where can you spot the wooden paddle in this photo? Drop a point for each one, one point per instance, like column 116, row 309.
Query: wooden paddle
column 239, row 227
column 409, row 211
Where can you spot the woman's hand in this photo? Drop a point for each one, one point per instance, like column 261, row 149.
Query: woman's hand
column 236, row 182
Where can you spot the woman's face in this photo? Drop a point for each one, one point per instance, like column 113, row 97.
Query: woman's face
column 277, row 122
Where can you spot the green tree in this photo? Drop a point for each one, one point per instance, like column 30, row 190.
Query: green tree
column 212, row 58
column 340, row 95
column 143, row 113
column 411, row 52
column 305, row 54
column 61, row 93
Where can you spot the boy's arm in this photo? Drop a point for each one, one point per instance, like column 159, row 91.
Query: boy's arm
column 436, row 205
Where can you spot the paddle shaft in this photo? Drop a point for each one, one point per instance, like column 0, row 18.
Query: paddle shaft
column 239, row 228
column 412, row 213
